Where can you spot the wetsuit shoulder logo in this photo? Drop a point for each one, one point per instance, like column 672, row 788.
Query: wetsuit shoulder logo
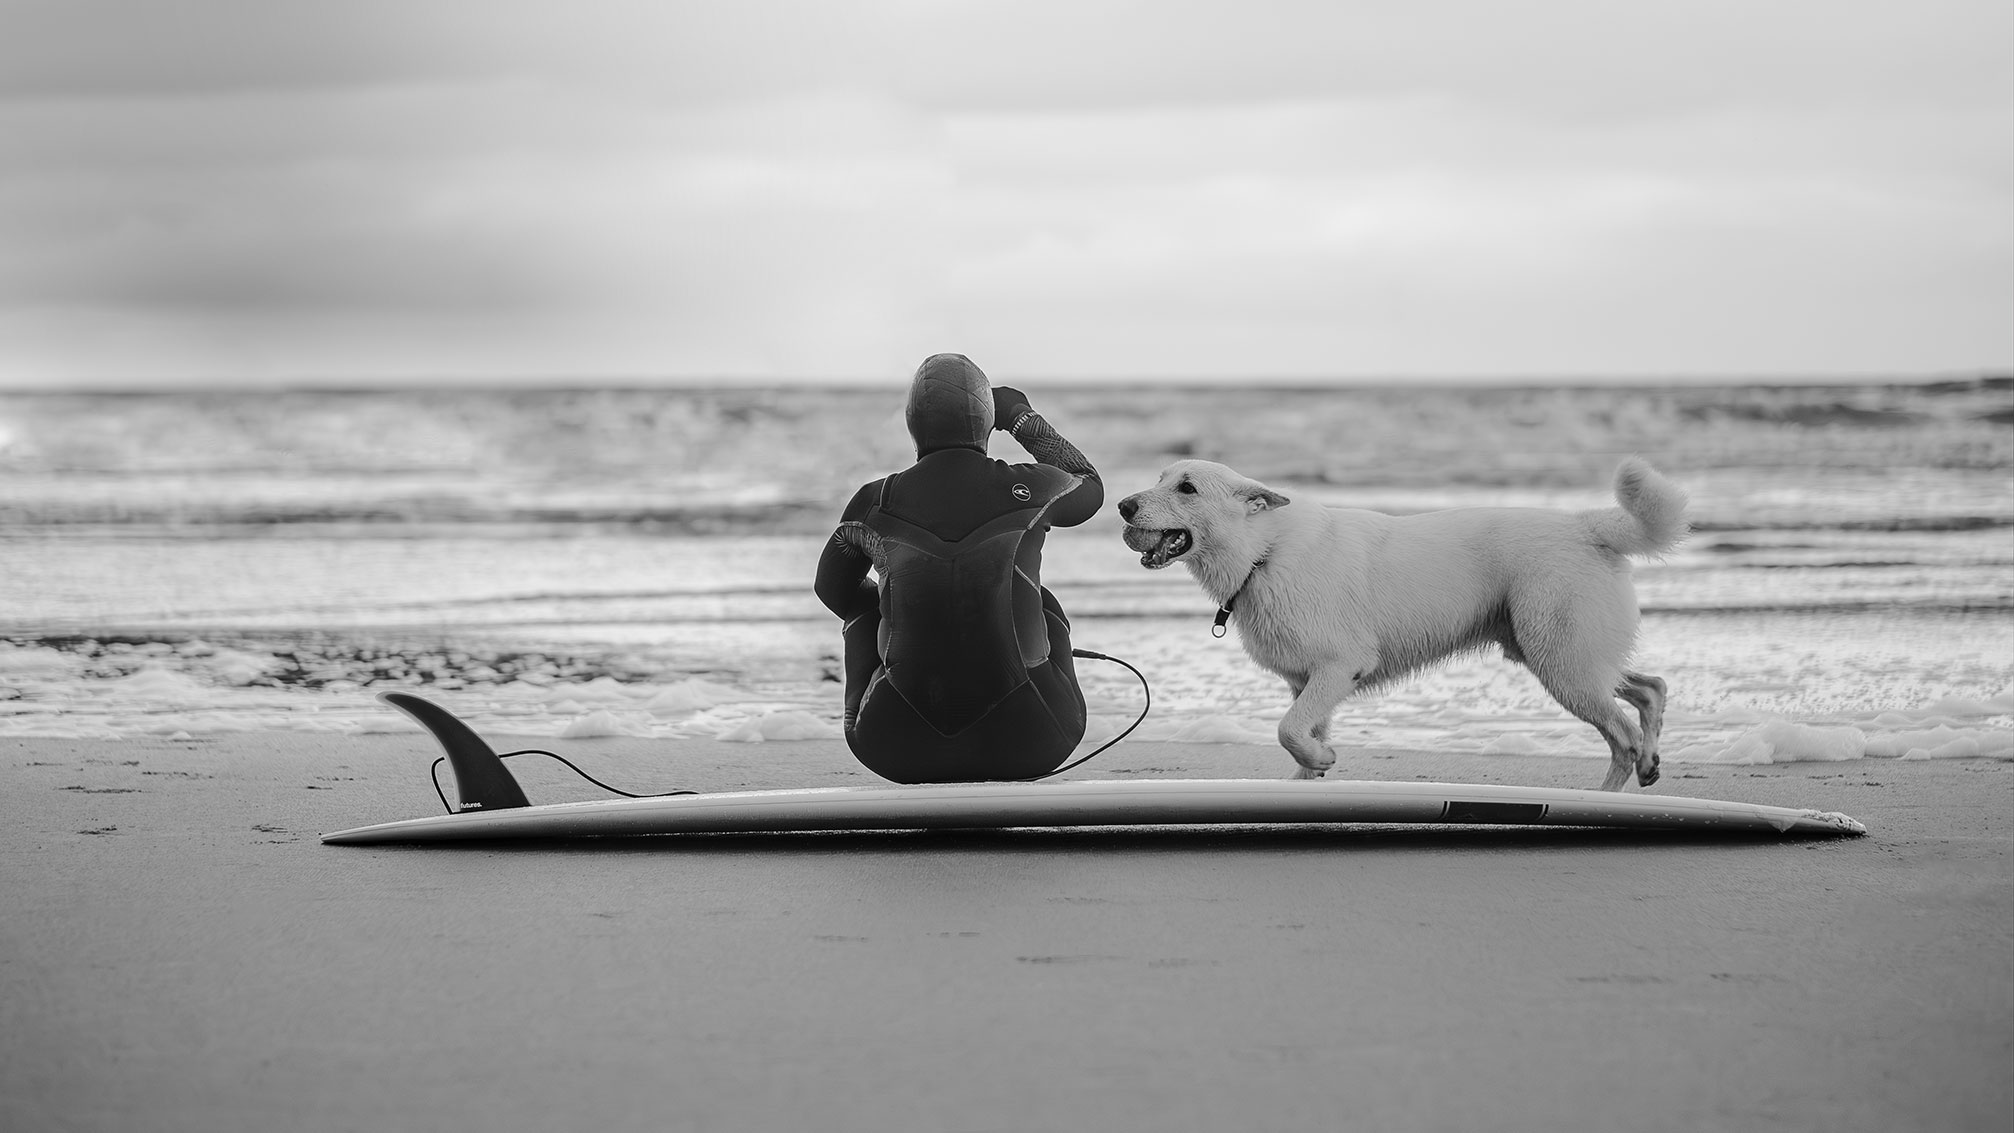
column 1022, row 493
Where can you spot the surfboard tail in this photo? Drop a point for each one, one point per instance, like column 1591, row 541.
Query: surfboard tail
column 481, row 779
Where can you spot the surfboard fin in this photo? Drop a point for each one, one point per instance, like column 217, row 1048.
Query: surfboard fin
column 481, row 780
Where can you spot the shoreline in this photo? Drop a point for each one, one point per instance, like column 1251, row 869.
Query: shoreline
column 182, row 953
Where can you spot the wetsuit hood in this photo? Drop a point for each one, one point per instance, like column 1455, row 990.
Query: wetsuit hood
column 950, row 405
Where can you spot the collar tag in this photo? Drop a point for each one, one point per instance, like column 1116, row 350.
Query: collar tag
column 1224, row 611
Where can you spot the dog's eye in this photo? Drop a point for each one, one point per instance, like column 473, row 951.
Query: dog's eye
column 1186, row 488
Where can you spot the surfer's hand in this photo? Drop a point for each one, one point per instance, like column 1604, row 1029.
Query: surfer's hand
column 1010, row 405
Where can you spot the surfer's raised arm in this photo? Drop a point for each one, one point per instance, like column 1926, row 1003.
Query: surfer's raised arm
column 1014, row 416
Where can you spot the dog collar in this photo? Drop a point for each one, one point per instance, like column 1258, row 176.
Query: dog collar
column 1224, row 611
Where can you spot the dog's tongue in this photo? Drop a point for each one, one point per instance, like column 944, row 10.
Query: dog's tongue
column 1171, row 545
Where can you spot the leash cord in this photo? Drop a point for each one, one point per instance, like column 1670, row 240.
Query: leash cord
column 434, row 773
column 1145, row 690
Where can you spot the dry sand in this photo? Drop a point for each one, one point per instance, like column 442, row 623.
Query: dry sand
column 179, row 952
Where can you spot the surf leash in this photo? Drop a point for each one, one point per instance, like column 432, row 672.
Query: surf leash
column 1145, row 691
column 434, row 773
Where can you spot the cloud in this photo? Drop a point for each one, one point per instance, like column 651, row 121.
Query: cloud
column 106, row 48
column 439, row 228
column 1432, row 236
column 1576, row 56
column 275, row 190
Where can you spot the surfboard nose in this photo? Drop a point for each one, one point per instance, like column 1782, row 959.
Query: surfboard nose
column 481, row 779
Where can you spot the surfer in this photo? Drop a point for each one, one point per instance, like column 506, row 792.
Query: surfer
column 958, row 663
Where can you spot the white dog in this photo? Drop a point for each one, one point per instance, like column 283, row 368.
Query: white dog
column 1339, row 599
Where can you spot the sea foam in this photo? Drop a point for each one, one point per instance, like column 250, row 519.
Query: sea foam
column 786, row 725
column 1782, row 741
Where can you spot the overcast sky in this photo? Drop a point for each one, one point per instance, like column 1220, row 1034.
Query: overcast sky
column 283, row 191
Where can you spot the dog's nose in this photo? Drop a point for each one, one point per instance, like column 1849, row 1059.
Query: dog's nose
column 1127, row 507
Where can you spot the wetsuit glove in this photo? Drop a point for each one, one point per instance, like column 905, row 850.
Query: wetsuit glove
column 1010, row 407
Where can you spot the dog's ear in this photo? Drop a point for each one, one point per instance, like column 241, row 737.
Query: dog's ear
column 1260, row 498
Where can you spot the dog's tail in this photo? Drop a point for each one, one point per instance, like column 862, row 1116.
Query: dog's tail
column 1651, row 519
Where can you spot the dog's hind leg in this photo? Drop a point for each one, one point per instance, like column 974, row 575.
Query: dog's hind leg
column 1647, row 694
column 1575, row 643
column 1304, row 730
column 1625, row 740
column 1594, row 700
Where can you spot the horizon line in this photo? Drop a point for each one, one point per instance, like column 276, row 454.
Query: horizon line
column 437, row 383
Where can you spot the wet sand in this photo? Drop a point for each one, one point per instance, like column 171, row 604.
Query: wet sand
column 179, row 952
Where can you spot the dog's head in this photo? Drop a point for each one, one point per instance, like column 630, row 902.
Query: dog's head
column 1197, row 507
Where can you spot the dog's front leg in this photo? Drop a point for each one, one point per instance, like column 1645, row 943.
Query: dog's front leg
column 1304, row 730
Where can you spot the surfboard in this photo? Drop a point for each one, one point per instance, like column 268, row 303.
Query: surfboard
column 494, row 807
column 1101, row 802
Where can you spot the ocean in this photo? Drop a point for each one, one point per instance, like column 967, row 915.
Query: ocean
column 587, row 563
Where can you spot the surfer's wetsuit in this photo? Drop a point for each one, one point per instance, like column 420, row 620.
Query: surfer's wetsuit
column 958, row 660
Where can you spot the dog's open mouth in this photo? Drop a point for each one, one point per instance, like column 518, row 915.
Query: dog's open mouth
column 1159, row 548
